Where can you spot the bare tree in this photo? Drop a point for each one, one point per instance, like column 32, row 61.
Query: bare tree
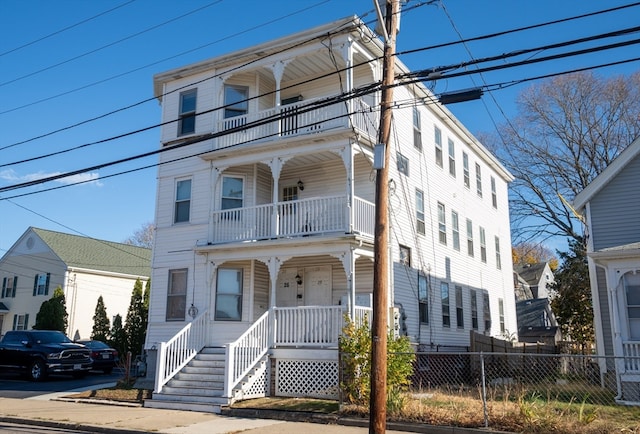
column 143, row 237
column 567, row 131
column 525, row 253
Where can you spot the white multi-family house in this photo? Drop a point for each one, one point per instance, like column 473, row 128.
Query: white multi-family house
column 265, row 219
column 84, row 268
column 610, row 205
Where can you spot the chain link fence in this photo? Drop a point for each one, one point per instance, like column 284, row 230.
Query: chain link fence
column 497, row 389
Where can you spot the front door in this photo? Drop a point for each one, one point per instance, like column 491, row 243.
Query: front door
column 317, row 286
column 288, row 292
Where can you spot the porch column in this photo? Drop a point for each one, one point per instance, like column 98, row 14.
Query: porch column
column 276, row 168
column 348, row 260
column 277, row 69
column 215, row 173
column 347, row 158
column 347, row 55
column 612, row 282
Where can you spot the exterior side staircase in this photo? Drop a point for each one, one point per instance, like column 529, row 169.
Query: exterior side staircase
column 199, row 386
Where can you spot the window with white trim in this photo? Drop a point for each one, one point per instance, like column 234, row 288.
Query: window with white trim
column 236, row 100
column 417, row 129
column 501, row 313
column 474, row 309
column 41, row 284
column 402, row 163
column 494, row 194
column 20, row 321
column 442, row 224
column 486, row 310
column 9, row 285
column 631, row 282
column 187, row 115
column 465, row 169
column 478, row 180
column 232, row 192
column 420, row 223
column 229, row 294
column 483, row 245
column 459, row 307
column 177, row 295
column 405, row 255
column 438, row 141
column 470, row 238
column 498, row 258
column 182, row 209
column 452, row 158
column 423, row 299
column 455, row 230
column 444, row 296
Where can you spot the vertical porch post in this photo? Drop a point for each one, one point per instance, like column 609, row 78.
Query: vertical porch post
column 347, row 159
column 276, row 168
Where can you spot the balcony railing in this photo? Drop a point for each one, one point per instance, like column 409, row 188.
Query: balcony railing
column 292, row 218
column 296, row 119
column 631, row 356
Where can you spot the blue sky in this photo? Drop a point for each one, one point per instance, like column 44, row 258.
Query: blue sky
column 66, row 62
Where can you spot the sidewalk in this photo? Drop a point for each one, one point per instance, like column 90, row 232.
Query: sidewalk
column 53, row 410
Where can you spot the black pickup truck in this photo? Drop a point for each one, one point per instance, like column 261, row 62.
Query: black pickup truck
column 39, row 353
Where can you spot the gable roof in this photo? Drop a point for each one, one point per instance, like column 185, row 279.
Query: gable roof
column 610, row 172
column 531, row 273
column 93, row 254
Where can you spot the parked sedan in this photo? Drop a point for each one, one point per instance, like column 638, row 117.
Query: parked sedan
column 104, row 357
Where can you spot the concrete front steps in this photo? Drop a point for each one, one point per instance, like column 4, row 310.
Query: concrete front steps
column 199, row 386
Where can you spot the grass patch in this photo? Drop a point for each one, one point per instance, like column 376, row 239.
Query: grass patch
column 291, row 404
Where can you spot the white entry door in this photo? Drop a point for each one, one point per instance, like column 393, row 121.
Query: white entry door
column 287, row 289
column 317, row 286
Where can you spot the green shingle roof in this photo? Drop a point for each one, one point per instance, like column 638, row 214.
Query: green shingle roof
column 94, row 254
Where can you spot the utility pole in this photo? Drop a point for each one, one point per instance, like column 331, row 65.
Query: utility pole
column 379, row 331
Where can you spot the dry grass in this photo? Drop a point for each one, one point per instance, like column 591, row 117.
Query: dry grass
column 450, row 409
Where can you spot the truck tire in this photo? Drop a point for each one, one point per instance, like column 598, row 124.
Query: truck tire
column 37, row 370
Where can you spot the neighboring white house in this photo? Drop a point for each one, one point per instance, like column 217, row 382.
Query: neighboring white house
column 610, row 205
column 85, row 268
column 265, row 216
column 536, row 321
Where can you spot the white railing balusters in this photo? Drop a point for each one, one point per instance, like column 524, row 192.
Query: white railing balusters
column 631, row 356
column 174, row 354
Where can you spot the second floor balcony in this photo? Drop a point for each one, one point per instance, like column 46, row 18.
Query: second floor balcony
column 318, row 215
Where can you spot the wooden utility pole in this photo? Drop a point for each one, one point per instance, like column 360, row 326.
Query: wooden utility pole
column 379, row 331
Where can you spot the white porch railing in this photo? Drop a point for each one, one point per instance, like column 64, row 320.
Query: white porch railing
column 631, row 356
column 292, row 218
column 294, row 119
column 244, row 353
column 180, row 349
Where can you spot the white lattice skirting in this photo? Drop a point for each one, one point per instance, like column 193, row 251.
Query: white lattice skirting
column 307, row 378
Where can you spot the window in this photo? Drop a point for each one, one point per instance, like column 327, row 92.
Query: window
column 444, row 295
column 187, row 115
column 631, row 284
column 498, row 259
column 41, row 284
column 478, row 180
column 501, row 312
column 405, row 255
column 494, row 195
column 452, row 158
column 177, row 295
column 442, row 224
column 9, row 285
column 483, row 246
column 474, row 309
column 456, row 230
column 423, row 299
column 402, row 163
column 486, row 310
column 232, row 192
column 438, row 140
column 465, row 169
column 290, row 193
column 417, row 129
column 183, row 201
column 236, row 101
column 420, row 225
column 469, row 238
column 459, row 307
column 229, row 294
column 20, row 322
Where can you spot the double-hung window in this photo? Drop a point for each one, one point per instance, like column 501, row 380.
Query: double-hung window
column 474, row 309
column 498, row 258
column 232, row 192
column 423, row 299
column 487, row 310
column 455, row 230
column 229, row 294
column 459, row 307
column 465, row 169
column 417, row 129
column 177, row 295
column 452, row 158
column 405, row 255
column 20, row 322
column 442, row 224
column 182, row 209
column 420, row 223
column 444, row 296
column 631, row 284
column 9, row 287
column 469, row 237
column 41, row 284
column 494, row 195
column 478, row 180
column 187, row 116
column 501, row 313
column 236, row 101
column 483, row 245
column 402, row 164
column 438, row 141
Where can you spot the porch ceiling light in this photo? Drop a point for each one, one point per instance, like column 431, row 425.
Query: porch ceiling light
column 298, row 279
column 300, row 185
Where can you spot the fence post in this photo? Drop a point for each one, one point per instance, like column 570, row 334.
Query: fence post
column 484, row 392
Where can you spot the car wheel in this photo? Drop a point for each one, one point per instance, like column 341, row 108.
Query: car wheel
column 107, row 370
column 37, row 370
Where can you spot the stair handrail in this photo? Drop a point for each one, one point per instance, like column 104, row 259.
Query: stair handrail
column 243, row 354
column 174, row 354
